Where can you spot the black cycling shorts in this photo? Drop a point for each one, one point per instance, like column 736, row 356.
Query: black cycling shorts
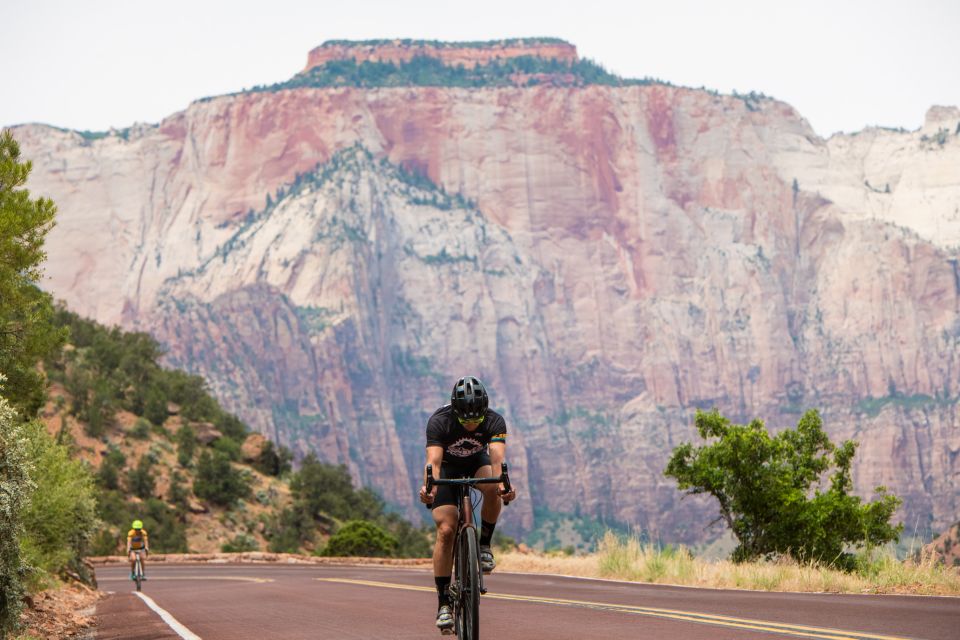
column 447, row 494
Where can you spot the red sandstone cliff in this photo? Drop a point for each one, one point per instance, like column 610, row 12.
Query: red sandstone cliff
column 466, row 54
column 634, row 253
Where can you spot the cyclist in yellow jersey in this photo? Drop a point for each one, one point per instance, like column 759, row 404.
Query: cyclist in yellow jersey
column 137, row 540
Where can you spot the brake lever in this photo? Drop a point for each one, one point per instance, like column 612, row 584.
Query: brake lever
column 505, row 479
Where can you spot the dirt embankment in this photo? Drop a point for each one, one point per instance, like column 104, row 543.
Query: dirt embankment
column 61, row 612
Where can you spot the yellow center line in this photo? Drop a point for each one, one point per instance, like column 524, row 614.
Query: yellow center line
column 673, row 614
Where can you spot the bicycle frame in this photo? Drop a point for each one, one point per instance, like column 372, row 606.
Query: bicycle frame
column 464, row 525
column 138, row 568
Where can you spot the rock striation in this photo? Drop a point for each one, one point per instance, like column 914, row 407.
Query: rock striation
column 466, row 54
column 607, row 258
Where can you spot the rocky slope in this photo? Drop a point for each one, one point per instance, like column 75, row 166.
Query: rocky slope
column 944, row 548
column 614, row 257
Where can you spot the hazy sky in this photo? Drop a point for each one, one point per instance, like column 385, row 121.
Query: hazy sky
column 94, row 64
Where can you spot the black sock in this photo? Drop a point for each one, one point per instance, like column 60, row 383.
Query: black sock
column 443, row 583
column 486, row 532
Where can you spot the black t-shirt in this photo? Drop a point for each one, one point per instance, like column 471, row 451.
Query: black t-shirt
column 459, row 445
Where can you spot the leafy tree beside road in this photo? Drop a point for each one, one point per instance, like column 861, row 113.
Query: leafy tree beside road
column 26, row 331
column 771, row 492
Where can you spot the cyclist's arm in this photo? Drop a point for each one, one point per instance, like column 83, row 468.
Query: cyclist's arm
column 498, row 451
column 434, row 457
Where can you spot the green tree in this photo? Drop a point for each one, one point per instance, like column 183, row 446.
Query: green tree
column 323, row 488
column 140, row 481
column 290, row 529
column 362, row 539
column 109, row 474
column 168, row 533
column 186, row 445
column 27, row 333
column 61, row 519
column 273, row 461
column 178, row 495
column 763, row 485
column 15, row 489
column 217, row 480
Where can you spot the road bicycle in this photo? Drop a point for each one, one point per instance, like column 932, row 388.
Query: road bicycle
column 466, row 584
column 137, row 570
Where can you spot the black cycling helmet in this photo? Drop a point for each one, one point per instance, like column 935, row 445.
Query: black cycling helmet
column 469, row 398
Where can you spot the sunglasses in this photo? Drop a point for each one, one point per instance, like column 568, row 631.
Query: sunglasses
column 473, row 421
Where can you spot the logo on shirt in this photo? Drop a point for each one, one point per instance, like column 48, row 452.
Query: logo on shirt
column 465, row 447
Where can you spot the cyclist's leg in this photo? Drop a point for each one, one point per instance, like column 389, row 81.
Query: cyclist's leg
column 489, row 514
column 491, row 497
column 445, row 517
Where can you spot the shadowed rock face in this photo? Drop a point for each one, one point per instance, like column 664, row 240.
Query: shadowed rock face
column 616, row 258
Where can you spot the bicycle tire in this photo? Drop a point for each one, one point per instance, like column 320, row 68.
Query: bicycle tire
column 469, row 562
column 139, row 573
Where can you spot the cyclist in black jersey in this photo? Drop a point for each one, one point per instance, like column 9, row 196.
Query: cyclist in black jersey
column 464, row 439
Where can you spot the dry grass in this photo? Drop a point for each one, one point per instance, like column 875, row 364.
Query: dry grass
column 631, row 560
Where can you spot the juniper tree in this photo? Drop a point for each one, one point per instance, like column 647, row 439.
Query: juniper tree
column 771, row 494
column 26, row 329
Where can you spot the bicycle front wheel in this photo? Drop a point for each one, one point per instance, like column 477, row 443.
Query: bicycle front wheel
column 139, row 573
column 468, row 571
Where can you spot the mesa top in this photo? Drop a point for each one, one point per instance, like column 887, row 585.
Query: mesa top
column 462, row 447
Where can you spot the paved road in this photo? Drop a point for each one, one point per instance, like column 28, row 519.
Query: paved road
column 236, row 602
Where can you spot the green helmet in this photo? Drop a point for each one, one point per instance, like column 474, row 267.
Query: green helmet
column 137, row 524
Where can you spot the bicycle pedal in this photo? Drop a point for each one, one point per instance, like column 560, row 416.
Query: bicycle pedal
column 483, row 591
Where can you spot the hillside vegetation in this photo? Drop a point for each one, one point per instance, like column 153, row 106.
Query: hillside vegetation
column 163, row 450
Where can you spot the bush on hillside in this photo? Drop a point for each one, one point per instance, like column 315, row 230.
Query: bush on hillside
column 363, row 539
column 765, row 486
column 186, row 445
column 273, row 461
column 324, row 489
column 290, row 529
column 178, row 494
column 240, row 543
column 228, row 447
column 140, row 481
column 168, row 534
column 141, row 429
column 108, row 477
column 61, row 518
column 15, row 490
column 217, row 481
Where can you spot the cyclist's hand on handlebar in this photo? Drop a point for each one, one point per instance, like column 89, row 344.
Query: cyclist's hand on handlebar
column 428, row 498
column 507, row 496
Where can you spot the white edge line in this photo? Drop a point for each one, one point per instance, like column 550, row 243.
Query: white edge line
column 172, row 622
